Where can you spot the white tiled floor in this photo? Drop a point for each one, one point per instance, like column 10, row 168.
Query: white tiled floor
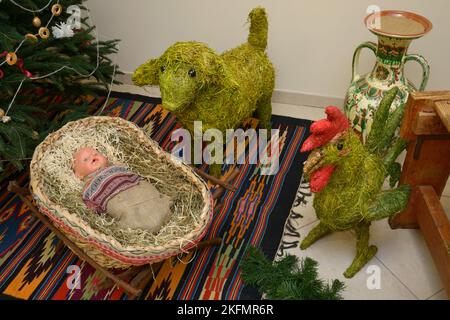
column 406, row 268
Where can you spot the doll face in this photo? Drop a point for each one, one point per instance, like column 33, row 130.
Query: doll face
column 88, row 160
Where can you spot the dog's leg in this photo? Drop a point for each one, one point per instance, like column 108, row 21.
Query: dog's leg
column 215, row 170
column 264, row 111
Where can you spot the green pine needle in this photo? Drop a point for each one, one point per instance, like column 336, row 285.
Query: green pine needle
column 287, row 279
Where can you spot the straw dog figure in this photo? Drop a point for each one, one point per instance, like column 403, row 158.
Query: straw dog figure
column 220, row 90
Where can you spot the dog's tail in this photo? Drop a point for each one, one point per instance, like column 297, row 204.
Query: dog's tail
column 258, row 28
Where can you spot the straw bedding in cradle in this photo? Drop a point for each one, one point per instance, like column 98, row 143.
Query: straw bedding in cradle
column 55, row 186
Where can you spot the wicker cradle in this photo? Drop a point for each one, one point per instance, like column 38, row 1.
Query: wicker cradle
column 104, row 249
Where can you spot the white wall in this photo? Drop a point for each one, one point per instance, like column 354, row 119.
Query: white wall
column 311, row 42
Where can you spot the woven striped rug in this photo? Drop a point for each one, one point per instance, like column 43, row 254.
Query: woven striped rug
column 34, row 266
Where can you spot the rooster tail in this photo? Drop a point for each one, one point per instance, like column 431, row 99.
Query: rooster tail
column 393, row 146
column 375, row 142
column 392, row 125
column 258, row 28
column 393, row 169
column 381, row 140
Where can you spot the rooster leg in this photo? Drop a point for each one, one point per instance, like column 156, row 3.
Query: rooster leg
column 315, row 234
column 364, row 252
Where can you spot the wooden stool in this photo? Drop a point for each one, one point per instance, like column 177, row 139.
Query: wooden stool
column 426, row 125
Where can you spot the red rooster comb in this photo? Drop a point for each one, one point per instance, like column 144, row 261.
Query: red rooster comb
column 323, row 131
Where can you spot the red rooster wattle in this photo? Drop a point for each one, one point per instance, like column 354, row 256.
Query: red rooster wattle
column 322, row 132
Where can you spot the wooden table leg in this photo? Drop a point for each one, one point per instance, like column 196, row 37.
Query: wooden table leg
column 435, row 228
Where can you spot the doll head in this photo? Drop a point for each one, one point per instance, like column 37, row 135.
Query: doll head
column 87, row 160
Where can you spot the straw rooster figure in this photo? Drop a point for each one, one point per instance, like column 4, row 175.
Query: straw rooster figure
column 348, row 176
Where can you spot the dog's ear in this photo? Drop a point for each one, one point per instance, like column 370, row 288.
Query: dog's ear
column 147, row 73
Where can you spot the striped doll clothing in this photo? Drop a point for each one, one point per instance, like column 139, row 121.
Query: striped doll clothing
column 107, row 183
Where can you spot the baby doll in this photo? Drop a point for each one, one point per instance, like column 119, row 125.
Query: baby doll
column 113, row 189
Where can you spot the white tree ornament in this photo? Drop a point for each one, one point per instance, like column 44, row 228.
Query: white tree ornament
column 75, row 16
column 63, row 30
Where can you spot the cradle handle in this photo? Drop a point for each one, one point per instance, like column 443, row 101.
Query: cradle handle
column 214, row 180
column 13, row 186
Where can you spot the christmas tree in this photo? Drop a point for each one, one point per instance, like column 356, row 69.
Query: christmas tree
column 50, row 58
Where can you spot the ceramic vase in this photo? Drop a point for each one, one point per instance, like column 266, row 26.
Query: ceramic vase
column 395, row 31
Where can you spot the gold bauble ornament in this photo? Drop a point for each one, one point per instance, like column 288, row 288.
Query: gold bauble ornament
column 37, row 22
column 57, row 9
column 31, row 37
column 11, row 58
column 44, row 33
column 2, row 113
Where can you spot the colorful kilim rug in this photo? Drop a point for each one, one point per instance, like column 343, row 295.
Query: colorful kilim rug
column 34, row 264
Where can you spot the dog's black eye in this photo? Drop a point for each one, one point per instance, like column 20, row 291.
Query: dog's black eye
column 192, row 73
column 163, row 68
column 340, row 146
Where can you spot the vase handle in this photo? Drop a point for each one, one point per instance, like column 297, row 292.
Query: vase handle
column 369, row 45
column 425, row 67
